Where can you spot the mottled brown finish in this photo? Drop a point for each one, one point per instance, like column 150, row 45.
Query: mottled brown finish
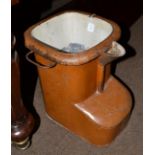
column 79, row 92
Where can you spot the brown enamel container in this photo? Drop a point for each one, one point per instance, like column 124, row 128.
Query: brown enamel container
column 79, row 91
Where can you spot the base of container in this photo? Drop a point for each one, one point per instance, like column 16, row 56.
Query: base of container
column 100, row 118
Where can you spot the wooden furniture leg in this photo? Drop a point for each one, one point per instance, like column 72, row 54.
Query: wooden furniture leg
column 22, row 122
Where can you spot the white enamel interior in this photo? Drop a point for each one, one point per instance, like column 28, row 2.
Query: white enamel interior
column 72, row 27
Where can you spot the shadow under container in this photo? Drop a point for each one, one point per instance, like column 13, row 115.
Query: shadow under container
column 79, row 91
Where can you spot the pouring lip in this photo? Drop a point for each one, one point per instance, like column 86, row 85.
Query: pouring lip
column 79, row 58
column 116, row 50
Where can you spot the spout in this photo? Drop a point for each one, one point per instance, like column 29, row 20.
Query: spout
column 116, row 51
column 104, row 67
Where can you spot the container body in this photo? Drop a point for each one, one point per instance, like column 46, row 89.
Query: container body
column 79, row 91
column 67, row 84
column 72, row 99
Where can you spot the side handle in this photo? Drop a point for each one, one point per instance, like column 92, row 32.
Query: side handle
column 38, row 64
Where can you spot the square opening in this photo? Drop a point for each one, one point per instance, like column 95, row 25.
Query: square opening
column 72, row 29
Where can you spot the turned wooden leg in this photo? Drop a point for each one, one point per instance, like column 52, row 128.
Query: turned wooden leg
column 22, row 122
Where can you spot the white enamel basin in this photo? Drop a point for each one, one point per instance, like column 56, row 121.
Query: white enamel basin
column 72, row 27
